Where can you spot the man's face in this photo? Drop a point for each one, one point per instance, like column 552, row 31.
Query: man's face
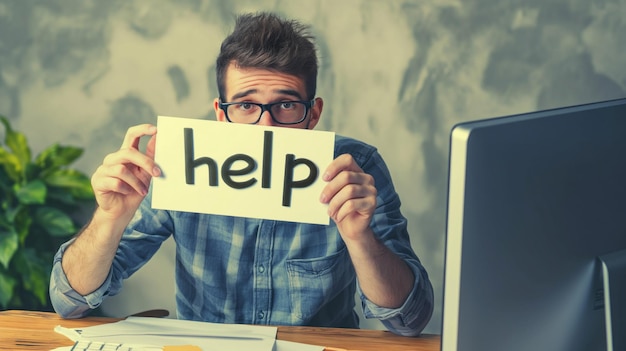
column 264, row 87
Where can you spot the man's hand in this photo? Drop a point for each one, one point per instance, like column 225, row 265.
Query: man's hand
column 350, row 195
column 120, row 183
column 384, row 278
column 123, row 179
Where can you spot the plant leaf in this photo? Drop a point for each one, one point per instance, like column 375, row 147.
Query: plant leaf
column 10, row 213
column 56, row 156
column 55, row 221
column 23, row 221
column 83, row 193
column 68, row 178
column 76, row 182
column 7, row 285
column 8, row 246
column 11, row 165
column 34, row 272
column 61, row 195
column 31, row 193
column 16, row 142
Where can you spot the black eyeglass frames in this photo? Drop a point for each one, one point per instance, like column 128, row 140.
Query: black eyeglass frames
column 282, row 112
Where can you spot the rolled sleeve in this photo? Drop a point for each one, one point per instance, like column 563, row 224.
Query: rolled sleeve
column 410, row 318
column 66, row 301
column 142, row 238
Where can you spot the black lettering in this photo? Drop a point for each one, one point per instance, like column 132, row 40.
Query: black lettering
column 288, row 184
column 191, row 164
column 227, row 172
column 267, row 159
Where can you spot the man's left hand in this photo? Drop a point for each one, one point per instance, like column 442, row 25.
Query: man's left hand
column 350, row 195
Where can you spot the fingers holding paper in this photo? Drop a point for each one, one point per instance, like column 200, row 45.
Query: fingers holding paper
column 350, row 195
column 123, row 179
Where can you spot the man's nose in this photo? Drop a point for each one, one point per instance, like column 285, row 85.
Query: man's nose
column 266, row 119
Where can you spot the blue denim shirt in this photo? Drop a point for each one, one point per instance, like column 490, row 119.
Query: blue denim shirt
column 242, row 270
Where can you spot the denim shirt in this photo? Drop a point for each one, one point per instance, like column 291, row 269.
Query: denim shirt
column 242, row 270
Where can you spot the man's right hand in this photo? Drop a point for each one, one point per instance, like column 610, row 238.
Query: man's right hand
column 120, row 184
column 123, row 179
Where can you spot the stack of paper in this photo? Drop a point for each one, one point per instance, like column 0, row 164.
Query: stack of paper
column 162, row 332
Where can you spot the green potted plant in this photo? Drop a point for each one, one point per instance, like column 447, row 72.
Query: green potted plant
column 40, row 202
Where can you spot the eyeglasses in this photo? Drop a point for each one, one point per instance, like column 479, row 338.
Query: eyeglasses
column 282, row 112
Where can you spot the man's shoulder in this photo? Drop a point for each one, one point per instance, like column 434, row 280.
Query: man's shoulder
column 357, row 148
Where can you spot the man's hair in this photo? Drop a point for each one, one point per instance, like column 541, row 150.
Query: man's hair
column 266, row 41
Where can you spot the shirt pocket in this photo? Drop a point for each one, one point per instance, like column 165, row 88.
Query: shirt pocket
column 313, row 282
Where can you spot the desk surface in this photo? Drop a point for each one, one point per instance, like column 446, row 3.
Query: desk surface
column 27, row 330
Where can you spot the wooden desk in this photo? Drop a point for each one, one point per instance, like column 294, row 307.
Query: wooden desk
column 27, row 330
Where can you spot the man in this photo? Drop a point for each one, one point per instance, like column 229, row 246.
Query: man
column 242, row 270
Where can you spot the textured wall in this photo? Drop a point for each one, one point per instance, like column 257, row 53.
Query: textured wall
column 397, row 74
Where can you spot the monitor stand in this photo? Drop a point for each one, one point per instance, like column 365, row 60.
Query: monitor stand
column 614, row 277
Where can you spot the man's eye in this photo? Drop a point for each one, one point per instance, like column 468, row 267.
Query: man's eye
column 287, row 105
column 244, row 108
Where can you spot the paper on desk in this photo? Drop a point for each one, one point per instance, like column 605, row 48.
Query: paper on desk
column 162, row 332
column 282, row 345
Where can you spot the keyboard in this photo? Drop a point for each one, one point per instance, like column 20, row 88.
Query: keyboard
column 110, row 346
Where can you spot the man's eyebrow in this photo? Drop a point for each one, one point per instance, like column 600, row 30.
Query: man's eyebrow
column 289, row 92
column 243, row 94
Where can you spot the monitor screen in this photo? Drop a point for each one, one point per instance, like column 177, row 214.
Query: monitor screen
column 536, row 209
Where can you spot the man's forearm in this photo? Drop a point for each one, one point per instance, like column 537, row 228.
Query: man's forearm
column 384, row 278
column 87, row 261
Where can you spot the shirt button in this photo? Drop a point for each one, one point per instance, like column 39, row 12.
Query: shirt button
column 261, row 269
column 260, row 315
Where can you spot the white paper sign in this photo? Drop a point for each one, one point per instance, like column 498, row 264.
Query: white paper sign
column 241, row 170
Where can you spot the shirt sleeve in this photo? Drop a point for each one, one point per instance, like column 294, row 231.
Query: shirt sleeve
column 141, row 239
column 390, row 226
column 66, row 301
column 410, row 318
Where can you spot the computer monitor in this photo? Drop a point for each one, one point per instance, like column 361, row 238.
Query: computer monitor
column 536, row 232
